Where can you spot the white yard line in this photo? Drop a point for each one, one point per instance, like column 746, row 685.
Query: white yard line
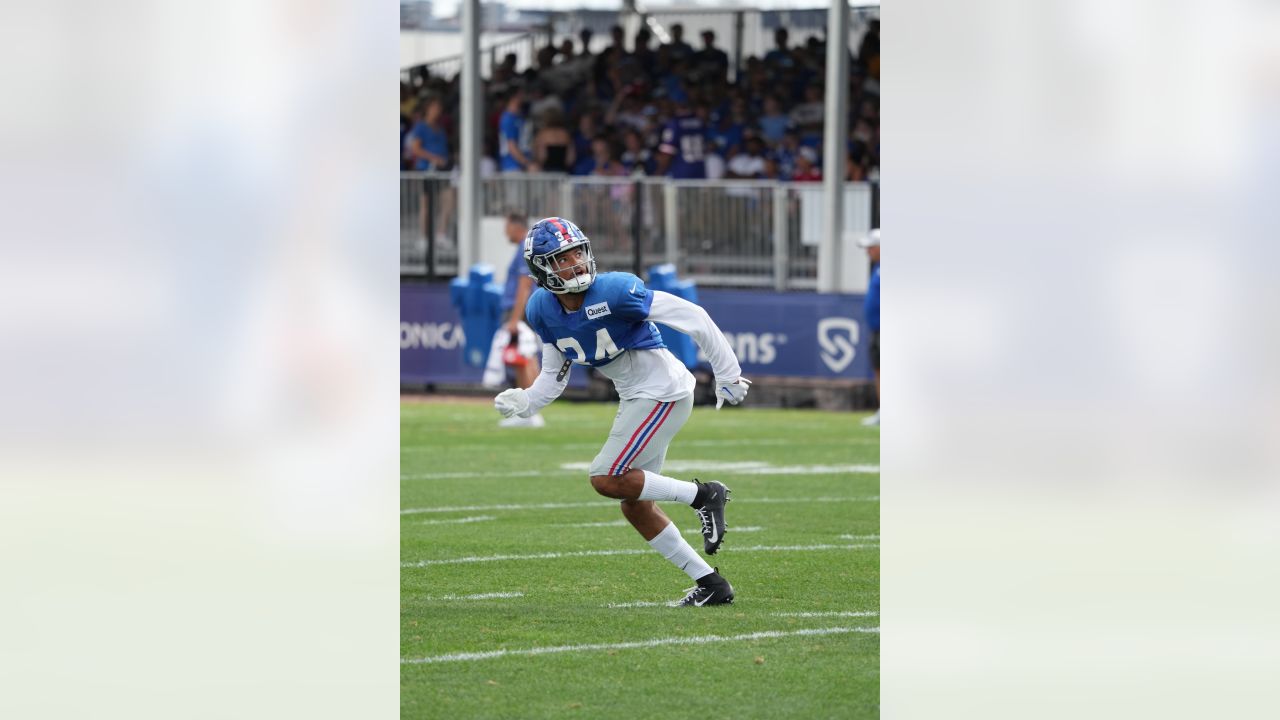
column 640, row 603
column 481, row 596
column 489, row 474
column 655, row 642
column 839, row 613
column 627, row 551
column 860, row 537
column 675, row 466
column 813, row 470
column 624, row 523
column 746, row 467
column 523, row 506
column 611, row 523
column 459, row 521
column 679, row 444
column 614, row 503
column 684, row 466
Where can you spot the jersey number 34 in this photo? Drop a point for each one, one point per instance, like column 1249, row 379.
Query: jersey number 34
column 604, row 347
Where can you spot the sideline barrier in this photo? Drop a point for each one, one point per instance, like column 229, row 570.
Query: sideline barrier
column 477, row 302
column 799, row 335
column 663, row 277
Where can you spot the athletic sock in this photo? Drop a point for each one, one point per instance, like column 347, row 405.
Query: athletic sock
column 673, row 547
column 661, row 487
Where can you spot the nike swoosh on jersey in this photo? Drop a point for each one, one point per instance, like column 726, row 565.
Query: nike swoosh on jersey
column 633, row 288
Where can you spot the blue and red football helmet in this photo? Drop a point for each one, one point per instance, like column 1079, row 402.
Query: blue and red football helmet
column 548, row 239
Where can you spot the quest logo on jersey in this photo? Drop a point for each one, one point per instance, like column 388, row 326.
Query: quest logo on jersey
column 838, row 338
column 598, row 310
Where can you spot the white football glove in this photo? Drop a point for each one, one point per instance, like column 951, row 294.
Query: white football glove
column 735, row 391
column 513, row 402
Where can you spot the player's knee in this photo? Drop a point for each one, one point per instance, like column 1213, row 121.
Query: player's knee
column 604, row 484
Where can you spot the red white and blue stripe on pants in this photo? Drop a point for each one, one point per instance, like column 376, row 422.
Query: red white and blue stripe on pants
column 641, row 437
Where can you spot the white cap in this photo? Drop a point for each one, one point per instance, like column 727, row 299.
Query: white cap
column 871, row 240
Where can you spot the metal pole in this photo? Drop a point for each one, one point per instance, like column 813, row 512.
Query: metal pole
column 780, row 193
column 737, row 43
column 433, row 197
column 671, row 222
column 831, row 271
column 471, row 126
column 637, row 213
column 875, row 204
column 566, row 199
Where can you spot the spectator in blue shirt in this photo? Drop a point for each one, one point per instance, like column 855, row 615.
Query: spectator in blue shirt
column 513, row 149
column 582, row 139
column 681, row 154
column 787, row 152
column 727, row 135
column 427, row 147
column 774, row 122
column 871, row 310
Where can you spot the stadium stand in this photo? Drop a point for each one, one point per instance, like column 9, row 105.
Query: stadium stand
column 615, row 91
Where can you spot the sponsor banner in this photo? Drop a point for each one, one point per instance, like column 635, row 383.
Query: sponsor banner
column 431, row 338
column 792, row 334
column 788, row 334
column 432, row 341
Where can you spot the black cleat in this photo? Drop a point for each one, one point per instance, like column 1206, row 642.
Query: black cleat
column 711, row 513
column 710, row 590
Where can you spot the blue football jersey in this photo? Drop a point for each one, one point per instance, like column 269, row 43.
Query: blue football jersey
column 683, row 138
column 612, row 319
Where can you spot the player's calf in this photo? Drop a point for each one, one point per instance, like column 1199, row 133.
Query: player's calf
column 707, row 499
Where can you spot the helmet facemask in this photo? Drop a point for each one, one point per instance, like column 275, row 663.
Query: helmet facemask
column 550, row 274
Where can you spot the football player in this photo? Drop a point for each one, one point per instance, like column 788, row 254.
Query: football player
column 515, row 344
column 606, row 321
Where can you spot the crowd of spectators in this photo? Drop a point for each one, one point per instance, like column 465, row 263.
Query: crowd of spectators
column 666, row 110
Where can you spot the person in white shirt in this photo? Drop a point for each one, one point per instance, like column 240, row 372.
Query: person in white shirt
column 748, row 164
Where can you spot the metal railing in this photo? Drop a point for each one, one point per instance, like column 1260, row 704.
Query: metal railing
column 719, row 233
column 428, row 225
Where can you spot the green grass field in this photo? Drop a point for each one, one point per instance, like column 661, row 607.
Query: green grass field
column 587, row 634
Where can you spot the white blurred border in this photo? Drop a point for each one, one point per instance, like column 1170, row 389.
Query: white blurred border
column 1080, row 496
column 200, row 414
